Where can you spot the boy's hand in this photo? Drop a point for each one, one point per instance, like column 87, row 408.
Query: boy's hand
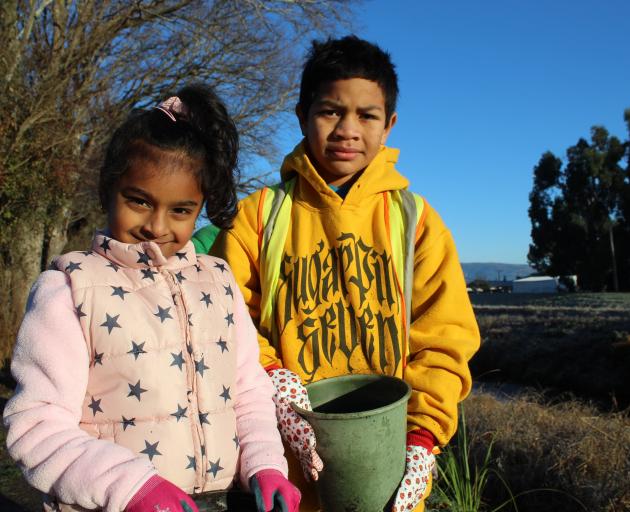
column 295, row 430
column 271, row 488
column 158, row 494
column 419, row 464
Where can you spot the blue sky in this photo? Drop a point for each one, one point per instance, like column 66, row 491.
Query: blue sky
column 486, row 87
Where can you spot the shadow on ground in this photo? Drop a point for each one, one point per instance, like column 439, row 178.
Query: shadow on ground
column 7, row 505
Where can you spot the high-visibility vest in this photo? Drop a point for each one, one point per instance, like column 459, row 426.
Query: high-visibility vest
column 403, row 210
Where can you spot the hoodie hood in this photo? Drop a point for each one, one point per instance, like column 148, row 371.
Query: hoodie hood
column 380, row 176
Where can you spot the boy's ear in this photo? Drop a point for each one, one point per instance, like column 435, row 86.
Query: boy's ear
column 301, row 118
column 388, row 128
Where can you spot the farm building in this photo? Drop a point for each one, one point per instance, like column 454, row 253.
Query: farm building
column 535, row 284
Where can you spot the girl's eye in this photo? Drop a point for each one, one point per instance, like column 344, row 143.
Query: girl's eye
column 182, row 211
column 138, row 201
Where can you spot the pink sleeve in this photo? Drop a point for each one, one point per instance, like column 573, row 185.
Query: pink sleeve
column 50, row 365
column 261, row 445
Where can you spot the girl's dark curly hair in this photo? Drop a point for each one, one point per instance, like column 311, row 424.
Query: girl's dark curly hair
column 206, row 134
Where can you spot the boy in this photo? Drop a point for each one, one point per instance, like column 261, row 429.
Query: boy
column 321, row 264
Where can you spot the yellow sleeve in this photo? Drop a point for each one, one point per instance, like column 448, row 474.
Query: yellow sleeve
column 239, row 247
column 443, row 333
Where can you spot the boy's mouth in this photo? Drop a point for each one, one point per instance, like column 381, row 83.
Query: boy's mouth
column 342, row 153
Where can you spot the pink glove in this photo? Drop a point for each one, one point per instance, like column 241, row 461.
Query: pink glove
column 295, row 430
column 159, row 495
column 271, row 488
column 419, row 464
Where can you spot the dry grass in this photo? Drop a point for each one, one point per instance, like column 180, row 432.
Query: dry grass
column 580, row 453
column 577, row 343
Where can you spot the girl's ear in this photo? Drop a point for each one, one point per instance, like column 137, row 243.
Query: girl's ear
column 301, row 118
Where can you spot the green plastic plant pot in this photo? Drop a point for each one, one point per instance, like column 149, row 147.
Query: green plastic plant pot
column 360, row 423
column 225, row 501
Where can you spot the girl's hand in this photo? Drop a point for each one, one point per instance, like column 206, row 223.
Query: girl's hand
column 160, row 495
column 271, row 488
column 295, row 430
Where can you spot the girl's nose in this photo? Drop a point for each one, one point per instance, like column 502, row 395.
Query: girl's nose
column 156, row 226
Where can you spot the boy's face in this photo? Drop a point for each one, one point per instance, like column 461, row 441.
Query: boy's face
column 345, row 127
column 156, row 200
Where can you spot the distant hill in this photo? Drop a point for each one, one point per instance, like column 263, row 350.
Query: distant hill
column 495, row 271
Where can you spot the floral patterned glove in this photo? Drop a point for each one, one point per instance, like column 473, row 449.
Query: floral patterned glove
column 160, row 495
column 419, row 464
column 271, row 488
column 295, row 430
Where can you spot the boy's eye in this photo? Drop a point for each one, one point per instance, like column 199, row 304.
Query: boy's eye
column 328, row 112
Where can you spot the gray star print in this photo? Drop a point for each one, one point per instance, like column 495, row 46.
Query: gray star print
column 112, row 265
column 136, row 390
column 180, row 412
column 110, row 322
column 236, row 441
column 143, row 257
column 205, row 297
column 220, row 266
column 98, row 358
column 181, row 255
column 151, row 449
column 223, row 344
column 105, row 245
column 215, row 467
column 228, row 291
column 137, row 349
column 118, row 290
column 95, row 405
column 230, row 319
column 226, row 394
column 200, row 367
column 163, row 313
column 192, row 463
column 203, row 418
column 72, row 266
column 178, row 360
column 79, row 310
column 128, row 422
column 180, row 277
column 147, row 273
column 189, row 321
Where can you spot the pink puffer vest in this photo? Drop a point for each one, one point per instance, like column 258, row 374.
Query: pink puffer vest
column 163, row 360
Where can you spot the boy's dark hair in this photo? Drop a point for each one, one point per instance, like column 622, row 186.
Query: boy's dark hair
column 348, row 57
column 206, row 133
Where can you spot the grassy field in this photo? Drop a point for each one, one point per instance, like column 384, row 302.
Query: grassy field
column 552, row 397
column 573, row 343
column 552, row 400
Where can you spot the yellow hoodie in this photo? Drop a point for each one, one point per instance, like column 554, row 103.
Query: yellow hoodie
column 338, row 307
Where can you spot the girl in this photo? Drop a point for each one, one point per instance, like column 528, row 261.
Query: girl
column 137, row 363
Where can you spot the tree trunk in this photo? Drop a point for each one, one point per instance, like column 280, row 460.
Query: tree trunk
column 614, row 259
column 21, row 264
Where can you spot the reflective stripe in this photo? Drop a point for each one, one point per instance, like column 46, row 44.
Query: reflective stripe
column 405, row 210
column 276, row 216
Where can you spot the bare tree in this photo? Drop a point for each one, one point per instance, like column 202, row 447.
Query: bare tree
column 71, row 70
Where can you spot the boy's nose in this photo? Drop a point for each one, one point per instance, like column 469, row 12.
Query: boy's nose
column 346, row 128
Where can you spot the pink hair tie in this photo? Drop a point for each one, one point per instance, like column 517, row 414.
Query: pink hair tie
column 172, row 106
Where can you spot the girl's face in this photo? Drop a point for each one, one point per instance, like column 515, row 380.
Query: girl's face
column 158, row 199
